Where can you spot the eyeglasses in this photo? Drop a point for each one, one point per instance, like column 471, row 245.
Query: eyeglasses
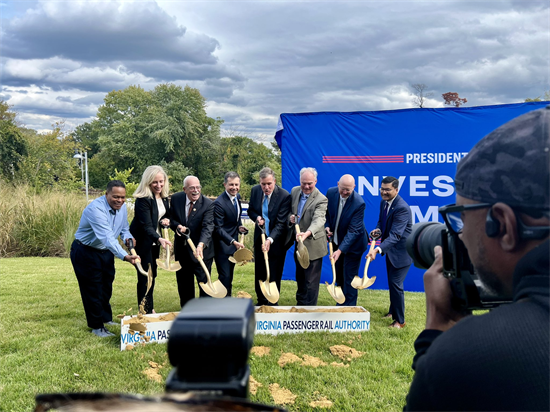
column 193, row 188
column 384, row 190
column 452, row 214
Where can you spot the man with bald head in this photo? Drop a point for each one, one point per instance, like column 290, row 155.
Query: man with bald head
column 345, row 223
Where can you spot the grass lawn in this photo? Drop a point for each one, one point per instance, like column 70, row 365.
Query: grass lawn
column 45, row 345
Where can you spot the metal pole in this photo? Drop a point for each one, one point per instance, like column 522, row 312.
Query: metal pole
column 86, row 160
column 81, row 168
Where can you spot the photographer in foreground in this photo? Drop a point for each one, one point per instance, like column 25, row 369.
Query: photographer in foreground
column 499, row 360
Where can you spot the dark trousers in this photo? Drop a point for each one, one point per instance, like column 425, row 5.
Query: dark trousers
column 347, row 267
column 308, row 282
column 149, row 256
column 95, row 272
column 276, row 265
column 186, row 277
column 225, row 271
column 396, row 277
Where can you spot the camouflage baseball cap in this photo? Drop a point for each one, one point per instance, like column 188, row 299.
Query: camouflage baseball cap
column 510, row 164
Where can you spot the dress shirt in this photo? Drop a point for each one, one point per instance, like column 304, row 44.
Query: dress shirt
column 100, row 226
column 268, row 200
column 301, row 204
column 238, row 206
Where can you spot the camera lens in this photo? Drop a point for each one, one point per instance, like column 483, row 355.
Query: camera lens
column 421, row 242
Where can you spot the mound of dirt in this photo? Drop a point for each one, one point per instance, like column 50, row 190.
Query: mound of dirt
column 253, row 385
column 345, row 352
column 271, row 309
column 281, row 396
column 321, row 403
column 288, row 358
column 260, row 350
column 312, row 361
column 149, row 319
column 244, row 295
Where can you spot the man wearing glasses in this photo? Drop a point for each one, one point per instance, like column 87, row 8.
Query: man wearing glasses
column 393, row 228
column 498, row 360
column 191, row 210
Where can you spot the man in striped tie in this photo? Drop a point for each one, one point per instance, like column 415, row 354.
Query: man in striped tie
column 269, row 207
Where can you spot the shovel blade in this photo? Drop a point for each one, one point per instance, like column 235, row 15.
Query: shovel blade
column 217, row 290
column 357, row 282
column 270, row 291
column 368, row 282
column 302, row 260
column 161, row 264
column 336, row 293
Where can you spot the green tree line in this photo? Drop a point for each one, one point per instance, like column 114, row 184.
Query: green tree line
column 134, row 128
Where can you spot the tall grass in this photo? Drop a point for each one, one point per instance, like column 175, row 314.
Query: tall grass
column 38, row 224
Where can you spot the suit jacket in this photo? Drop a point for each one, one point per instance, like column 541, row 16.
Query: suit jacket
column 398, row 228
column 277, row 211
column 145, row 222
column 313, row 219
column 200, row 223
column 352, row 235
column 226, row 223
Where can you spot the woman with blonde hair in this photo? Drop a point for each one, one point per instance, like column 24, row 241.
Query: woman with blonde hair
column 151, row 211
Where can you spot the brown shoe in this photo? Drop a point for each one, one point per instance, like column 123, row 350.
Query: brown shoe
column 397, row 325
column 387, row 316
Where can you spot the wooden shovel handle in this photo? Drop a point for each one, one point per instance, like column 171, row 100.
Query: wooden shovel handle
column 194, row 249
column 133, row 252
column 298, row 231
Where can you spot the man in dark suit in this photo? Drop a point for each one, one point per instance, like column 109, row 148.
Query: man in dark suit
column 191, row 210
column 345, row 222
column 395, row 226
column 228, row 225
column 269, row 206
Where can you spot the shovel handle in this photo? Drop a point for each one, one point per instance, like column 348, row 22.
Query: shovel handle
column 194, row 250
column 298, row 231
column 332, row 263
column 265, row 258
column 132, row 250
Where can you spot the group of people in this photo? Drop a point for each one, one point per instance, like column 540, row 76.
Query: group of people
column 214, row 227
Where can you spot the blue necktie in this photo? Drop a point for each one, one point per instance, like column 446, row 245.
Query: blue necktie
column 265, row 215
column 384, row 216
column 236, row 207
column 301, row 204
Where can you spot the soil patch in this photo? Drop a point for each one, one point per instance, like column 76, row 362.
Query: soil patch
column 321, row 403
column 271, row 309
column 260, row 350
column 281, row 396
column 150, row 319
column 345, row 352
column 312, row 361
column 339, row 365
column 244, row 295
column 253, row 385
column 288, row 358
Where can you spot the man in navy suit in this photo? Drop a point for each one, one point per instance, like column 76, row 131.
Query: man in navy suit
column 394, row 226
column 269, row 206
column 345, row 222
column 228, row 225
column 191, row 210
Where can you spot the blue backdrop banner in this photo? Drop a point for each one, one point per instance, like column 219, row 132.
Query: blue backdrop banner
column 420, row 147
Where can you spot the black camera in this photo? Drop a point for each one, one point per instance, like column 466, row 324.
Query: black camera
column 468, row 292
column 208, row 346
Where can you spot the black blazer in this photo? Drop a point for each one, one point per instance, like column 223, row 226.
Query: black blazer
column 397, row 230
column 278, row 212
column 226, row 224
column 145, row 222
column 200, row 223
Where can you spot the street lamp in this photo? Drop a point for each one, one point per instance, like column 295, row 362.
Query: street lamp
column 85, row 157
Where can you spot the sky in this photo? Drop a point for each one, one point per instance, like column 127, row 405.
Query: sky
column 253, row 60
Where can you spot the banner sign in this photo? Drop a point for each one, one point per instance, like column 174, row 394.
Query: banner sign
column 420, row 147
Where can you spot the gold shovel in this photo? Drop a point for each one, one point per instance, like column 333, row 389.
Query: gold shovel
column 269, row 289
column 364, row 283
column 335, row 291
column 166, row 265
column 301, row 251
column 138, row 261
column 243, row 255
column 215, row 289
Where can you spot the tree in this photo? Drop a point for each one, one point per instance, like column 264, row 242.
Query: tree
column 545, row 97
column 420, row 94
column 452, row 98
column 136, row 128
column 13, row 146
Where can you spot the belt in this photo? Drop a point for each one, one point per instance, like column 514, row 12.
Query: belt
column 91, row 247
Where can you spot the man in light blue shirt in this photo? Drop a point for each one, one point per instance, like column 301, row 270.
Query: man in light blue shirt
column 93, row 252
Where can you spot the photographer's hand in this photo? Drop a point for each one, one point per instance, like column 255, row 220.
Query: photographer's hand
column 440, row 315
